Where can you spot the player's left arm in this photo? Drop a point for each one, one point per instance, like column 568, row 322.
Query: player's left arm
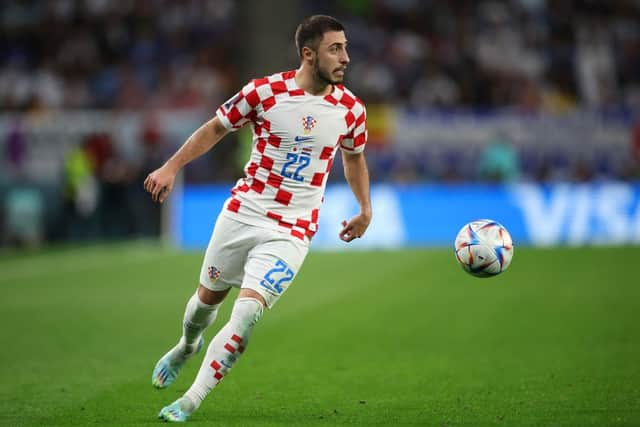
column 357, row 175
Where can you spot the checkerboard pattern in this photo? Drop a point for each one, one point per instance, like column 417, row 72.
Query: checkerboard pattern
column 267, row 190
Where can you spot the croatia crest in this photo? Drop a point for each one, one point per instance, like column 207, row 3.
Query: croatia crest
column 308, row 123
column 214, row 273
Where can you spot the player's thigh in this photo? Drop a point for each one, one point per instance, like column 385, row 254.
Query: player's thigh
column 272, row 265
column 226, row 254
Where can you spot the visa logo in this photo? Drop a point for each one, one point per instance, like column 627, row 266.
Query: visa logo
column 607, row 213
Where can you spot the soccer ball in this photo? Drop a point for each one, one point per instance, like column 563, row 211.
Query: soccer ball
column 484, row 248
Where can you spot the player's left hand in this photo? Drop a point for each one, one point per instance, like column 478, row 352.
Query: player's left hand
column 355, row 228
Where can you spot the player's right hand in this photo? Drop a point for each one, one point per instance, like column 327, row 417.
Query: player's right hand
column 160, row 183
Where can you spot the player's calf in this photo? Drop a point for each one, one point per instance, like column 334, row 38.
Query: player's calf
column 226, row 348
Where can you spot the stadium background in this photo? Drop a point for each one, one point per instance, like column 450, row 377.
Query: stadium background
column 524, row 111
column 533, row 92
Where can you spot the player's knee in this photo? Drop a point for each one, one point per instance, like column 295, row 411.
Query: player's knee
column 210, row 297
column 246, row 312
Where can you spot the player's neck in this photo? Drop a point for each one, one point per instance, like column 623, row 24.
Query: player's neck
column 306, row 81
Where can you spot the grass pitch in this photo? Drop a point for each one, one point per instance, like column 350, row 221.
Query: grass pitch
column 375, row 338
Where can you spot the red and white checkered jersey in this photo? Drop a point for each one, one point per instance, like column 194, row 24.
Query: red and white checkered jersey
column 295, row 138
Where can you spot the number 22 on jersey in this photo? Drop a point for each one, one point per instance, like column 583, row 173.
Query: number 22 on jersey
column 277, row 277
column 296, row 163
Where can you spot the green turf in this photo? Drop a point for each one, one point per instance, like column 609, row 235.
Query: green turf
column 376, row 338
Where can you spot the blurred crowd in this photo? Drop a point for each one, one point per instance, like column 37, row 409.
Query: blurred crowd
column 115, row 54
column 531, row 55
column 549, row 55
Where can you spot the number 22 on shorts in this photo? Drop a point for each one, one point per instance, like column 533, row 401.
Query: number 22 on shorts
column 278, row 276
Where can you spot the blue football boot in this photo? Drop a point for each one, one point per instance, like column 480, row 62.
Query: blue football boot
column 175, row 413
column 166, row 371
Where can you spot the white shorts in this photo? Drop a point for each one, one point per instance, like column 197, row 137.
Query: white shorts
column 250, row 257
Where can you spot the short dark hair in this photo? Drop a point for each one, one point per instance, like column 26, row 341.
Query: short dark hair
column 312, row 29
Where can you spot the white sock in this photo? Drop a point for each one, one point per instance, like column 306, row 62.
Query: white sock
column 225, row 348
column 197, row 317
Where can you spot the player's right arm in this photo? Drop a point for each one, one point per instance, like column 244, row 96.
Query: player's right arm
column 160, row 182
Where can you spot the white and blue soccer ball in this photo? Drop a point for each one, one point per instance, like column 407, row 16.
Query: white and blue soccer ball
column 484, row 248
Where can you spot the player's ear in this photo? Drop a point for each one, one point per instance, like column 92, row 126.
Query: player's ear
column 307, row 54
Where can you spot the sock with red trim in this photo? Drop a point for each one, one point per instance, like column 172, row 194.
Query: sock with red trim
column 225, row 349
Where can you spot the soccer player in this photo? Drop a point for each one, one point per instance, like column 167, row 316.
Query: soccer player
column 299, row 120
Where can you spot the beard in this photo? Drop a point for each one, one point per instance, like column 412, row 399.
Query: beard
column 323, row 75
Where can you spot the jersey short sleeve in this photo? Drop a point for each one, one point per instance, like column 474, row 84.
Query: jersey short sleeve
column 240, row 108
column 356, row 137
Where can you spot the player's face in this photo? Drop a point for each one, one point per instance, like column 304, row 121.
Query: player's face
column 331, row 59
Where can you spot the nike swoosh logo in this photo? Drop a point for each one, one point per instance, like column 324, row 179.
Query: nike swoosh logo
column 302, row 138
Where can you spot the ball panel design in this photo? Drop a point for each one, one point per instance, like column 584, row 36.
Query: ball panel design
column 484, row 248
